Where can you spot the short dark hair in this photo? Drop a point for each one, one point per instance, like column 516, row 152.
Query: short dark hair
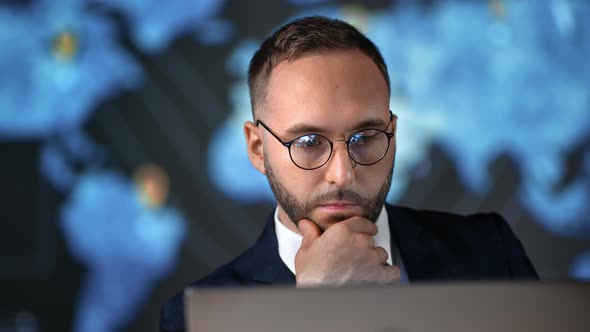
column 303, row 36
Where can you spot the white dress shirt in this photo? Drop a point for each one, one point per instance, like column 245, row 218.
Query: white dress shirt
column 289, row 242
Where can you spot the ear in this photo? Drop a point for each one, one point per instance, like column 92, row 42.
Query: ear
column 254, row 146
column 394, row 125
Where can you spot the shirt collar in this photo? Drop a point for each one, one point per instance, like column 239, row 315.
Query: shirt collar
column 289, row 241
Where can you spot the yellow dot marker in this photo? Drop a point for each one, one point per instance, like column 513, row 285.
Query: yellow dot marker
column 152, row 182
column 65, row 45
column 498, row 8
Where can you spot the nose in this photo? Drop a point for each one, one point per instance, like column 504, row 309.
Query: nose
column 340, row 168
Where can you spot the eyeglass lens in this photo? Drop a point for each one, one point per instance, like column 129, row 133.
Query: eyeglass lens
column 366, row 147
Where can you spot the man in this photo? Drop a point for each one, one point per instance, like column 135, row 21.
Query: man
column 324, row 136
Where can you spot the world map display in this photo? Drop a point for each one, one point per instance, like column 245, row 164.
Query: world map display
column 479, row 79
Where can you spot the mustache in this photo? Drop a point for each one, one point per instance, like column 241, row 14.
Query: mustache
column 339, row 194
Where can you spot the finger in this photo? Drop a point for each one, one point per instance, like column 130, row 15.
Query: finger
column 394, row 273
column 310, row 231
column 361, row 225
column 363, row 241
column 370, row 241
column 381, row 254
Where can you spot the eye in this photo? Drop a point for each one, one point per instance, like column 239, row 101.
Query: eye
column 362, row 138
column 308, row 142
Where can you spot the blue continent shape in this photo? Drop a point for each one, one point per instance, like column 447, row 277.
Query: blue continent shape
column 45, row 89
column 307, row 2
column 154, row 24
column 507, row 71
column 506, row 84
column 125, row 245
column 61, row 155
column 564, row 211
column 480, row 81
column 228, row 165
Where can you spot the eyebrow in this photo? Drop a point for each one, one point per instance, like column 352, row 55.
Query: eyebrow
column 305, row 128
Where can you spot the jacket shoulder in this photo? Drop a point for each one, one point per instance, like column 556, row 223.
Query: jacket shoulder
column 470, row 226
column 233, row 273
column 475, row 246
column 237, row 272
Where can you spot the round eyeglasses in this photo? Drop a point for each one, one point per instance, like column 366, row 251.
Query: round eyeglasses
column 310, row 151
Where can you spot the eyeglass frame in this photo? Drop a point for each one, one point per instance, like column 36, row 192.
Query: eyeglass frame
column 288, row 144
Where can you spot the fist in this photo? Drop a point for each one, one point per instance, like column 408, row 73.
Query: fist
column 345, row 254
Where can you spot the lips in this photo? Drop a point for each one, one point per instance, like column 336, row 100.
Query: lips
column 339, row 205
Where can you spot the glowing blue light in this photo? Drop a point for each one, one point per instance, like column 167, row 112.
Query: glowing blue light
column 154, row 24
column 41, row 92
column 126, row 246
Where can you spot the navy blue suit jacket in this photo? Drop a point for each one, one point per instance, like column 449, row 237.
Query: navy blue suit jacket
column 433, row 246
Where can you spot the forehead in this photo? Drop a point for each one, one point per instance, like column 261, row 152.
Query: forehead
column 332, row 90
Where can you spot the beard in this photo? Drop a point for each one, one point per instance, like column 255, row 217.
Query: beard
column 297, row 210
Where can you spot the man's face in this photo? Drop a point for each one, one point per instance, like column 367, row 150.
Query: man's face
column 297, row 210
column 334, row 94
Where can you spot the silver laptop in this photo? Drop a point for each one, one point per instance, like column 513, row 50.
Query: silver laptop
column 508, row 306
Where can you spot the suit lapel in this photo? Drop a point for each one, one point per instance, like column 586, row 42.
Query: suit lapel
column 269, row 267
column 416, row 245
column 278, row 274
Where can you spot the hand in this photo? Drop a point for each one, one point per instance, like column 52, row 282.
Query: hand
column 345, row 254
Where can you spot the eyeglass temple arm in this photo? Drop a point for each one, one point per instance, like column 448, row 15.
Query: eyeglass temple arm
column 287, row 144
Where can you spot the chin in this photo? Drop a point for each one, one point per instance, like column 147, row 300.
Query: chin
column 324, row 221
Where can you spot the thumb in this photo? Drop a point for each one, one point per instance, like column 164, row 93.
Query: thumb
column 394, row 274
column 310, row 231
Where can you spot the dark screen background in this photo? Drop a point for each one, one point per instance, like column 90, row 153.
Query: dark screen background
column 169, row 120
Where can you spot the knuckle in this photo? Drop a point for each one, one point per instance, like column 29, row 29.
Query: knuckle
column 381, row 254
column 369, row 226
column 374, row 228
column 341, row 229
column 362, row 240
column 394, row 272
